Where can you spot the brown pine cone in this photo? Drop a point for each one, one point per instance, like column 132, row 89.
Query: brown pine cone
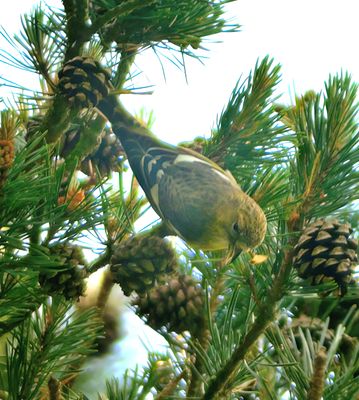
column 70, row 282
column 325, row 251
column 84, row 81
column 107, row 157
column 177, row 305
column 140, row 262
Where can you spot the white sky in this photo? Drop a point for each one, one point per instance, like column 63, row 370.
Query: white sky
column 309, row 38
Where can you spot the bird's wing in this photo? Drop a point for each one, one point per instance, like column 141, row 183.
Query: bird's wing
column 146, row 155
column 162, row 170
column 189, row 193
column 161, row 167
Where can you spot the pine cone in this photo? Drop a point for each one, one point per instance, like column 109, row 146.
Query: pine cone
column 84, row 81
column 69, row 282
column 141, row 261
column 177, row 305
column 107, row 157
column 325, row 251
column 7, row 155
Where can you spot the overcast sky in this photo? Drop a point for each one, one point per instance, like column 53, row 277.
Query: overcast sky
column 310, row 39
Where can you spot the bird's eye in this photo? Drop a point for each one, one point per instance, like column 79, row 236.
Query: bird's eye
column 235, row 227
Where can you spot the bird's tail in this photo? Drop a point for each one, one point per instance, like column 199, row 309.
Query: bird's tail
column 134, row 137
column 136, row 140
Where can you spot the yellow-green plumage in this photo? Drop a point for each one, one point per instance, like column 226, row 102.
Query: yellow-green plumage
column 198, row 200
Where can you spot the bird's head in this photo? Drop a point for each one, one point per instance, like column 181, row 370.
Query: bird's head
column 247, row 227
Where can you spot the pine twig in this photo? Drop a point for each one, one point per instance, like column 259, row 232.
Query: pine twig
column 168, row 390
column 115, row 12
column 106, row 286
column 204, row 336
column 265, row 316
column 198, row 366
column 217, row 290
column 316, row 387
column 100, row 261
column 127, row 59
column 54, row 389
column 77, row 31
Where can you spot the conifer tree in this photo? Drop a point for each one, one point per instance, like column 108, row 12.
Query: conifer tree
column 281, row 323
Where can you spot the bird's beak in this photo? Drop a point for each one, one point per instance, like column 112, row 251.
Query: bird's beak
column 232, row 253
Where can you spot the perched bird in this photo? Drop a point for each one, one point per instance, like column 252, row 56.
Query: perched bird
column 196, row 199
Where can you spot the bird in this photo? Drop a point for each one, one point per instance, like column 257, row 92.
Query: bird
column 196, row 199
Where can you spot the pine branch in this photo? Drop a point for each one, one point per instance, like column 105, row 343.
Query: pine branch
column 50, row 342
column 247, row 134
column 105, row 290
column 182, row 23
column 76, row 28
column 296, row 348
column 19, row 297
column 316, row 387
column 100, row 262
column 171, row 387
column 226, row 327
column 54, row 388
column 28, row 176
column 265, row 315
column 325, row 166
column 137, row 386
column 40, row 47
column 121, row 10
column 123, row 69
